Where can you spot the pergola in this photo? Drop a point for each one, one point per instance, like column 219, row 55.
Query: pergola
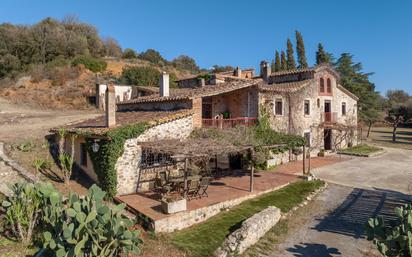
column 200, row 149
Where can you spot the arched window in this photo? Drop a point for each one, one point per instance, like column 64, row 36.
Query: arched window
column 329, row 86
column 322, row 85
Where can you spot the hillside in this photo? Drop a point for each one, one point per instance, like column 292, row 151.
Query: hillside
column 71, row 88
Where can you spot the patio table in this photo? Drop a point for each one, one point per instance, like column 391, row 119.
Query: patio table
column 177, row 182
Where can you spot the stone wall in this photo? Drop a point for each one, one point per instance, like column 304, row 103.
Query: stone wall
column 251, row 230
column 186, row 219
column 301, row 123
column 239, row 103
column 127, row 165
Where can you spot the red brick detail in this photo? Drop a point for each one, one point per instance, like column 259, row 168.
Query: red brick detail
column 197, row 112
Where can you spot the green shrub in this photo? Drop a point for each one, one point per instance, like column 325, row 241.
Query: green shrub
column 85, row 226
column 104, row 160
column 22, row 211
column 93, row 64
column 73, row 226
column 129, row 53
column 392, row 239
column 66, row 163
column 26, row 146
column 140, row 76
column 152, row 56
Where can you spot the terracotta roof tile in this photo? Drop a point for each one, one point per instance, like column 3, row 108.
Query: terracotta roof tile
column 285, row 87
column 190, row 93
column 97, row 126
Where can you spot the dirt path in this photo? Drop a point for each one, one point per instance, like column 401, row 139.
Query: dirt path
column 331, row 225
column 18, row 121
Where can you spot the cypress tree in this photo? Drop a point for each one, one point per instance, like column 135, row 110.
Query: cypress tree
column 290, row 56
column 278, row 66
column 322, row 56
column 300, row 50
column 272, row 65
column 283, row 61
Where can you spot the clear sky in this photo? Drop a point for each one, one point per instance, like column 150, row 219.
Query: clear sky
column 377, row 32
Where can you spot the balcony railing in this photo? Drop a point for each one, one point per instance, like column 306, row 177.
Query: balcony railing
column 329, row 117
column 229, row 123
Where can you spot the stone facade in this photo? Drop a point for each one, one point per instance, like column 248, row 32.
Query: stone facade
column 127, row 166
column 294, row 120
column 239, row 103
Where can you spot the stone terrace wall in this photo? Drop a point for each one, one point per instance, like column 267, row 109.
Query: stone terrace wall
column 250, row 232
column 127, row 165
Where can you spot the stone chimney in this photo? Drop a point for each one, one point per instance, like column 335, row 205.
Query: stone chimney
column 202, row 82
column 110, row 106
column 164, row 84
column 238, row 72
column 265, row 71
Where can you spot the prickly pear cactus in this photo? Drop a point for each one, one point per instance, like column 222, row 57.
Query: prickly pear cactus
column 85, row 226
column 392, row 239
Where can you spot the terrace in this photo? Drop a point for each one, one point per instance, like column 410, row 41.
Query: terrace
column 228, row 187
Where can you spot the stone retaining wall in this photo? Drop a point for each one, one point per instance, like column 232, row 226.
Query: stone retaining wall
column 186, row 219
column 127, row 166
column 15, row 166
column 250, row 232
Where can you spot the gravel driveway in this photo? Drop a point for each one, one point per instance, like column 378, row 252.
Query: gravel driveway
column 332, row 224
column 391, row 170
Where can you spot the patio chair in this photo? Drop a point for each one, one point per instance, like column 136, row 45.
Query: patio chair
column 204, row 184
column 161, row 184
column 193, row 189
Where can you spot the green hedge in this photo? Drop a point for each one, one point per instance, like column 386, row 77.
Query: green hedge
column 105, row 159
column 93, row 64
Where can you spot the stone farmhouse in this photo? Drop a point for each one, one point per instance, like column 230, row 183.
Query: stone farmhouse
column 307, row 102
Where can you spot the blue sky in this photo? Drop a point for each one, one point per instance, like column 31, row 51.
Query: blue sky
column 378, row 33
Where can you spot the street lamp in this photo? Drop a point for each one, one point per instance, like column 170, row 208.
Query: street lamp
column 95, row 146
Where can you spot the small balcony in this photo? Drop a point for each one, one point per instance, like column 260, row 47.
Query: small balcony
column 329, row 117
column 229, row 123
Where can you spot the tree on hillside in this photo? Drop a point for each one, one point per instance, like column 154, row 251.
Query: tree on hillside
column 218, row 68
column 397, row 97
column 112, row 47
column 129, row 53
column 185, row 62
column 300, row 50
column 144, row 76
column 22, row 47
column 397, row 115
column 278, row 65
column 283, row 61
column 356, row 81
column 290, row 56
column 152, row 56
column 322, row 56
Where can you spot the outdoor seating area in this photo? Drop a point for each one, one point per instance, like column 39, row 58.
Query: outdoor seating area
column 215, row 194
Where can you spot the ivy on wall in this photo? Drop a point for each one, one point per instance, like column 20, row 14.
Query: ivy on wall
column 104, row 160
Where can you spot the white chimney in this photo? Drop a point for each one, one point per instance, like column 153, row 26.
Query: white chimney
column 238, row 72
column 164, row 84
column 110, row 106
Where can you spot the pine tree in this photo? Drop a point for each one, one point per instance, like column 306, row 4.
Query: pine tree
column 283, row 61
column 272, row 65
column 322, row 56
column 300, row 50
column 278, row 65
column 290, row 56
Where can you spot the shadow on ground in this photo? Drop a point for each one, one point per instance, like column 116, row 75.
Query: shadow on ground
column 311, row 250
column 349, row 218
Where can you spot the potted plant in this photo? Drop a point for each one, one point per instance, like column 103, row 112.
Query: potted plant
column 321, row 153
column 173, row 203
